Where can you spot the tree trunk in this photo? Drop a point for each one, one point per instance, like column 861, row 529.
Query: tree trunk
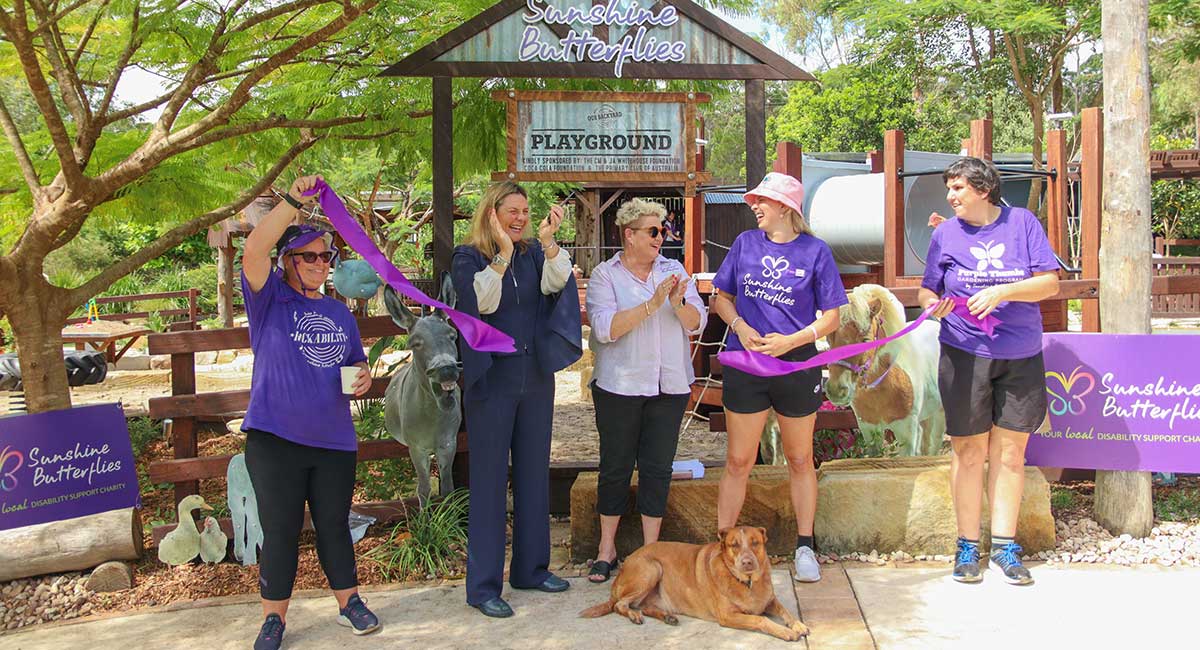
column 1123, row 499
column 38, row 331
column 225, row 285
column 1035, row 185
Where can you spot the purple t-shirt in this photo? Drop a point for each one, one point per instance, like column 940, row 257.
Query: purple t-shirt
column 779, row 287
column 299, row 346
column 965, row 259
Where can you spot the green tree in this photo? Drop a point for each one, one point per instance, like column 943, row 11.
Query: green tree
column 854, row 104
column 251, row 85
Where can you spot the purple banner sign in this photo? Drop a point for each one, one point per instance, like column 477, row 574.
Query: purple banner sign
column 1121, row 402
column 65, row 464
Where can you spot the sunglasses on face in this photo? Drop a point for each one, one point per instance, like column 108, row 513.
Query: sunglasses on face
column 654, row 231
column 310, row 257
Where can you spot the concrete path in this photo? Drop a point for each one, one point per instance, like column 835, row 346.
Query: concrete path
column 426, row 618
column 851, row 608
column 1068, row 607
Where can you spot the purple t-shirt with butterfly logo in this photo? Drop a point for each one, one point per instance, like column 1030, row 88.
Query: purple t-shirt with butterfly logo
column 779, row 287
column 965, row 259
column 299, row 346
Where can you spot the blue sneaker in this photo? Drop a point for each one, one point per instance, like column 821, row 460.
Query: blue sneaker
column 1007, row 560
column 966, row 562
column 270, row 637
column 357, row 617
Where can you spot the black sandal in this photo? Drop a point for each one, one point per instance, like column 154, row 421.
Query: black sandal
column 603, row 569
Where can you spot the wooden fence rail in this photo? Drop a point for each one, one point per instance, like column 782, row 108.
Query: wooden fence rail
column 1182, row 305
column 191, row 312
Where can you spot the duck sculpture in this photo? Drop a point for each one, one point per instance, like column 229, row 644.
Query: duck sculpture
column 213, row 542
column 183, row 543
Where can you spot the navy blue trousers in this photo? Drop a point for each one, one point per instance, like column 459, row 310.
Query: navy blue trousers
column 513, row 417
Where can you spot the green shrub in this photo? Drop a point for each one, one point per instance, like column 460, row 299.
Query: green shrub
column 1063, row 499
column 1180, row 504
column 143, row 431
column 429, row 542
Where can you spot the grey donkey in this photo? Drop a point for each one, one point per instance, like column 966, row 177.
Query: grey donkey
column 422, row 404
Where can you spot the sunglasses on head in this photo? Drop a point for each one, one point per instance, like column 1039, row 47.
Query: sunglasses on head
column 311, row 257
column 654, row 231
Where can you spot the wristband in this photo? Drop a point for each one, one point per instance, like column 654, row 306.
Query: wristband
column 733, row 325
column 287, row 196
column 647, row 306
column 814, row 331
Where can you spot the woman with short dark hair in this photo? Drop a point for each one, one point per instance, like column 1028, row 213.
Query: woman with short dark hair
column 993, row 387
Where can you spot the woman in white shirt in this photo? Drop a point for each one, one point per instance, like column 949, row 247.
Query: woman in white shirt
column 642, row 308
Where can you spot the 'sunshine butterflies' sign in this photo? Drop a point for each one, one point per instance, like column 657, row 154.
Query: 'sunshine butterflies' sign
column 1120, row 402
column 579, row 44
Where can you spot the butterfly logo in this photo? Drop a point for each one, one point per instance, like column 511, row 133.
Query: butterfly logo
column 8, row 479
column 988, row 255
column 1071, row 401
column 774, row 267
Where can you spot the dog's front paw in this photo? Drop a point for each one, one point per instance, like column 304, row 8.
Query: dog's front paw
column 670, row 619
column 798, row 627
column 788, row 634
column 636, row 617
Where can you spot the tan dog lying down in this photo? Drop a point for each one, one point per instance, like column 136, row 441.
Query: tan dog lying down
column 727, row 581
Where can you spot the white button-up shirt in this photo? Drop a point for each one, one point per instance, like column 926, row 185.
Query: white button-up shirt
column 654, row 357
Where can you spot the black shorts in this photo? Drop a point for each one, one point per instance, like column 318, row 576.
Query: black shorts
column 795, row 395
column 978, row 392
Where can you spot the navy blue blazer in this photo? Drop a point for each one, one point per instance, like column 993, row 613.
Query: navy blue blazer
column 557, row 330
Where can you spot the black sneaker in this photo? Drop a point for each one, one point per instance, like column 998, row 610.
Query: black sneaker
column 270, row 637
column 966, row 562
column 357, row 617
column 1007, row 560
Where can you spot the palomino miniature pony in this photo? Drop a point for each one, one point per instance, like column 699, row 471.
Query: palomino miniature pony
column 893, row 387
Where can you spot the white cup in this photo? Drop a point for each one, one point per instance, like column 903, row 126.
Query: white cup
column 349, row 374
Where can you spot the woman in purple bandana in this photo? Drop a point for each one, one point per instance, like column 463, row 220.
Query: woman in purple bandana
column 771, row 285
column 300, row 441
column 993, row 388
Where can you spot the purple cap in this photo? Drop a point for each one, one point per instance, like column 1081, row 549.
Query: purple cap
column 296, row 236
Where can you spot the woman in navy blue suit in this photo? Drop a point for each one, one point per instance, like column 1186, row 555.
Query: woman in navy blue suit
column 525, row 288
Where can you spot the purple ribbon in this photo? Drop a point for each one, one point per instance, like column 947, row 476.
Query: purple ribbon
column 476, row 333
column 763, row 365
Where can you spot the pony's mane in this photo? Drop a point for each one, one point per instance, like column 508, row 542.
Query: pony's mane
column 893, row 311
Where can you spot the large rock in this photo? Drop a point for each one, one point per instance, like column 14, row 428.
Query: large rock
column 691, row 513
column 110, row 576
column 904, row 504
column 882, row 504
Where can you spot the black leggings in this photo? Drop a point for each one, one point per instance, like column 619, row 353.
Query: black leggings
column 636, row 430
column 285, row 475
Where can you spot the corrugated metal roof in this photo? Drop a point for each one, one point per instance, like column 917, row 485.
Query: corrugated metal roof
column 722, row 198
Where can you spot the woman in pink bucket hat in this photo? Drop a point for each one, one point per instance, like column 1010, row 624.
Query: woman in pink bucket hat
column 770, row 287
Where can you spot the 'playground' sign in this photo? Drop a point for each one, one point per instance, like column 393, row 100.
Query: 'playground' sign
column 1120, row 402
column 65, row 464
column 600, row 136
